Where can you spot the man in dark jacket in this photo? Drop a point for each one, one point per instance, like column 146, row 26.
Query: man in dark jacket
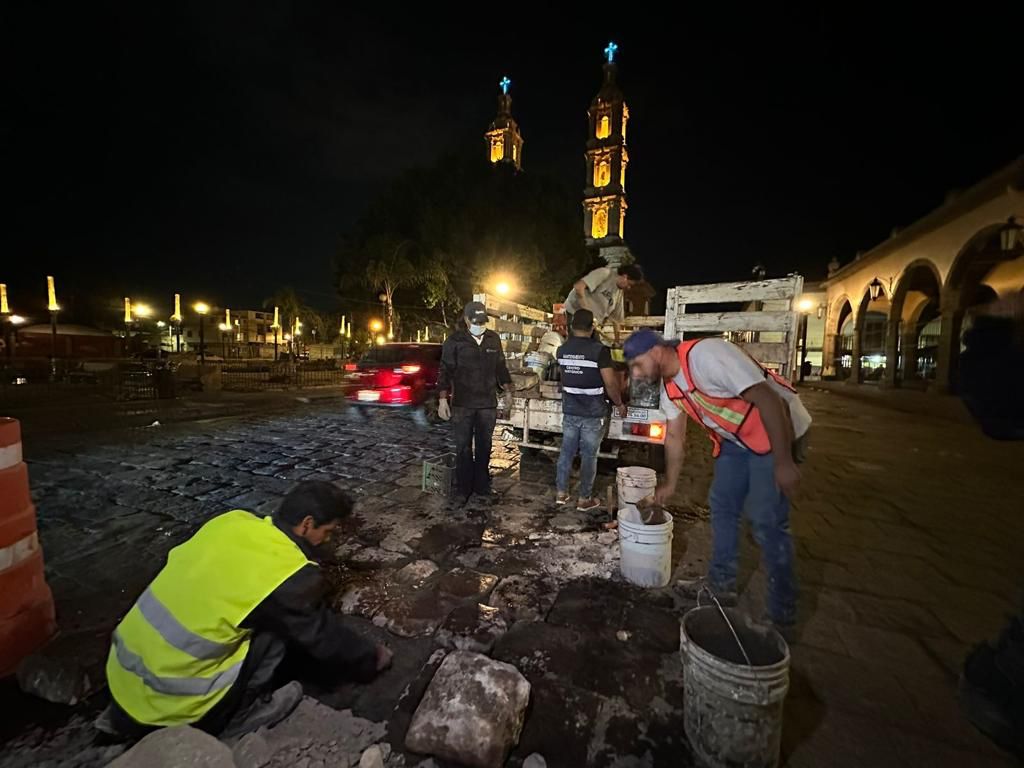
column 472, row 370
column 170, row 626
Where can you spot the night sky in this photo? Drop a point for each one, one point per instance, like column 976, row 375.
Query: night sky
column 220, row 150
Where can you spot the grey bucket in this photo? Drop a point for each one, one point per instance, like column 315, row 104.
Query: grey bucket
column 733, row 711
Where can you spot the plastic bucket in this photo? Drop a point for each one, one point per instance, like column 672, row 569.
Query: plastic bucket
column 645, row 550
column 733, row 712
column 634, row 484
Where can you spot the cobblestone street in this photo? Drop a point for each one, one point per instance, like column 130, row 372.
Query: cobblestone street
column 908, row 532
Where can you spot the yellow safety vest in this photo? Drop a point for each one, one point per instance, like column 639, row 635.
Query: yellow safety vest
column 180, row 648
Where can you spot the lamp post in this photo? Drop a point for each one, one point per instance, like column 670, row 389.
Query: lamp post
column 276, row 328
column 54, row 307
column 176, row 319
column 5, row 315
column 202, row 309
column 805, row 306
column 14, row 321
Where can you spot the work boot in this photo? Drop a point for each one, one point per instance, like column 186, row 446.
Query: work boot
column 268, row 710
column 561, row 499
column 588, row 504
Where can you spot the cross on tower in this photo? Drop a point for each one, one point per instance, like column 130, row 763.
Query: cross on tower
column 610, row 52
column 505, row 83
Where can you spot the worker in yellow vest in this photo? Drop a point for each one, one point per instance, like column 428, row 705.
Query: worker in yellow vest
column 758, row 428
column 202, row 643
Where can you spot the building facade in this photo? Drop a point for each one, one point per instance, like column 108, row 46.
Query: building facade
column 898, row 313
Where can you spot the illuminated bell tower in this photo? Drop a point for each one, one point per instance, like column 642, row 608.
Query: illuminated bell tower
column 504, row 142
column 604, row 197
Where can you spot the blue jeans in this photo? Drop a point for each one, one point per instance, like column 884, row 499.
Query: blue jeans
column 579, row 434
column 744, row 478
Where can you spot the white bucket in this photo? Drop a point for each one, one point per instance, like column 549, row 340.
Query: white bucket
column 634, row 484
column 645, row 550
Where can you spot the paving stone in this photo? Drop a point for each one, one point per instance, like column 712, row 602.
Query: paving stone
column 472, row 713
column 178, row 747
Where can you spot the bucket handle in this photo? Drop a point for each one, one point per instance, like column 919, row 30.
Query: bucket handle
column 704, row 588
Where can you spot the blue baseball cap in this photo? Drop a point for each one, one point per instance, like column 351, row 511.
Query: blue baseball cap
column 640, row 342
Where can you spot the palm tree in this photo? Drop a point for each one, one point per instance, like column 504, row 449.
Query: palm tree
column 388, row 269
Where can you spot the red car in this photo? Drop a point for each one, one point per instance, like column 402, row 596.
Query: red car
column 396, row 375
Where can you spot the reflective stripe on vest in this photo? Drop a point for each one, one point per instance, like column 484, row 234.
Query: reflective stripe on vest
column 583, row 390
column 733, row 415
column 173, row 686
column 181, row 647
column 171, row 630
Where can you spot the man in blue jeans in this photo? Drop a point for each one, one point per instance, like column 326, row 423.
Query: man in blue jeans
column 586, row 368
column 757, row 425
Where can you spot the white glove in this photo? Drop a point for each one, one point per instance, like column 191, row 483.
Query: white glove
column 444, row 411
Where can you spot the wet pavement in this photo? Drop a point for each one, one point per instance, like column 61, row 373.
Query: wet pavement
column 897, row 578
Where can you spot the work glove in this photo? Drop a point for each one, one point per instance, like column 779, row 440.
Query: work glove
column 444, row 411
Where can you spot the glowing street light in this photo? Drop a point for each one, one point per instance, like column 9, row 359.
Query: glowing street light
column 142, row 310
column 202, row 309
column 17, row 319
column 503, row 288
column 54, row 307
column 806, row 305
column 381, row 340
column 376, row 326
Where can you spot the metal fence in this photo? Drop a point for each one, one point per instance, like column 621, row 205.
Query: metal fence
column 262, row 376
column 34, row 381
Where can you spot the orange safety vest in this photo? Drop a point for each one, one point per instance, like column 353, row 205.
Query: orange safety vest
column 732, row 414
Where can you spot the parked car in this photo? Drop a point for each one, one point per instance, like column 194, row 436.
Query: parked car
column 397, row 375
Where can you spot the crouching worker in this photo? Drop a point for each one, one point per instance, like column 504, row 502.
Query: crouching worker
column 201, row 644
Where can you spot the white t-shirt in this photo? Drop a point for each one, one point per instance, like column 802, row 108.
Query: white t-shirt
column 603, row 296
column 721, row 369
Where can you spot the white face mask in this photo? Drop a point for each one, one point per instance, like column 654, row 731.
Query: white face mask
column 477, row 330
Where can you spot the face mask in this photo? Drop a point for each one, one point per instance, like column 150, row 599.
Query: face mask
column 477, row 330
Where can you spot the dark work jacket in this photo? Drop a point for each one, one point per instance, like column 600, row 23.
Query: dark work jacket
column 580, row 360
column 471, row 372
column 298, row 613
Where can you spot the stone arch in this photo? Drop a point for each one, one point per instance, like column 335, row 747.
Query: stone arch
column 838, row 357
column 964, row 290
column 869, row 360
column 908, row 361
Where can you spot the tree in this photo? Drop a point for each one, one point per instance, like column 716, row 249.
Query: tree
column 388, row 269
column 442, row 233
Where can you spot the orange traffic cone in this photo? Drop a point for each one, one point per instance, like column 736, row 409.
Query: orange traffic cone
column 27, row 617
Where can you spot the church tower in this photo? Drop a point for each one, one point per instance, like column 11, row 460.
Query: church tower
column 504, row 142
column 604, row 197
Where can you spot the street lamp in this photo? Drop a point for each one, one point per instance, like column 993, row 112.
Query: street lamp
column 875, row 289
column 1010, row 236
column 202, row 309
column 276, row 328
column 54, row 307
column 176, row 319
column 224, row 328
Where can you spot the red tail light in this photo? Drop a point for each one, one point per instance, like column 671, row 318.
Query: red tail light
column 351, row 367
column 657, row 431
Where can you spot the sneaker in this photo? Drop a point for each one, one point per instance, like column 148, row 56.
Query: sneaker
column 561, row 499
column 267, row 710
column 588, row 505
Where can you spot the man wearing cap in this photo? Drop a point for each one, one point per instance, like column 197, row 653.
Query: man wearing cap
column 601, row 291
column 758, row 427
column 586, row 368
column 472, row 370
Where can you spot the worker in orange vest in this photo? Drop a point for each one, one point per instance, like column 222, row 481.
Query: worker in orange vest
column 758, row 427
